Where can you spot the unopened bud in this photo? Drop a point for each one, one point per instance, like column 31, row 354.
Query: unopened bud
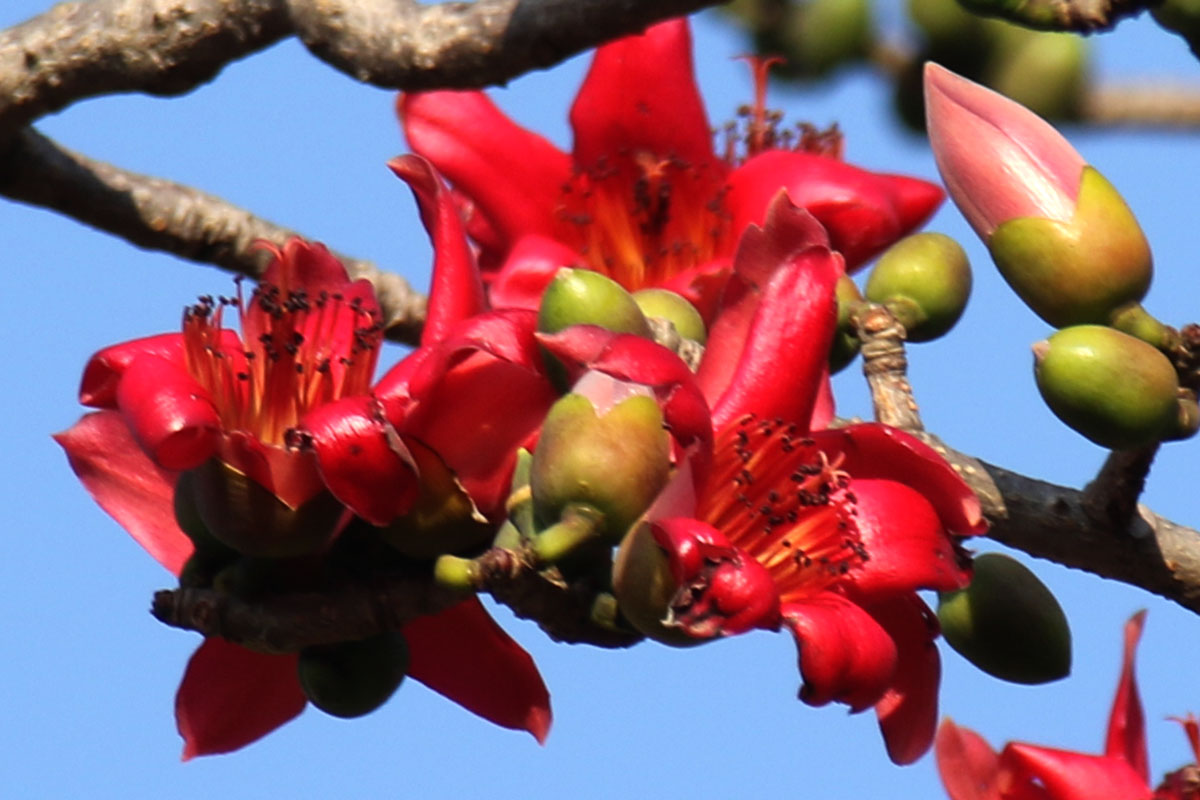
column 585, row 297
column 1114, row 389
column 924, row 280
column 665, row 304
column 1007, row 623
column 1045, row 72
column 350, row 679
column 1182, row 17
column 821, row 35
column 845, row 339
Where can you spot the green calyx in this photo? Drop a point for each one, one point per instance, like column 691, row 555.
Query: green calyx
column 350, row 679
column 665, row 304
column 444, row 519
column 1079, row 271
column 925, row 281
column 1118, row 391
column 1007, row 623
column 845, row 339
column 616, row 462
column 585, row 297
column 644, row 587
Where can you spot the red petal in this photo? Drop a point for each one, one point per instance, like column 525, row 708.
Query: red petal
column 137, row 493
column 909, row 549
column 1126, row 736
column 870, row 450
column 531, row 265
column 301, row 264
column 640, row 95
column 967, row 764
column 169, row 412
column 845, row 655
column 456, row 291
column 362, row 459
column 908, row 709
column 1074, row 776
column 290, row 475
column 231, row 696
column 464, row 655
column 514, row 176
column 863, row 211
column 98, row 388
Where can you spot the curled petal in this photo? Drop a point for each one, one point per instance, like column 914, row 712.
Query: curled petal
column 103, row 372
column 135, row 491
column 457, row 289
column 1126, row 737
column 1067, row 775
column 464, row 655
column 231, row 696
column 909, row 549
column 530, row 266
column 908, row 709
column 169, row 412
column 362, row 459
column 968, row 766
column 619, row 110
column 514, row 176
column 845, row 655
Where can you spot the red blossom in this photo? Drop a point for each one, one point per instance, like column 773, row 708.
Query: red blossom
column 642, row 197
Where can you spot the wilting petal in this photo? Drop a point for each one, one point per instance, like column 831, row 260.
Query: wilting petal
column 362, row 459
column 457, row 289
column 640, row 95
column 845, row 655
column 1126, row 737
column 123, row 480
column 513, row 175
column 967, row 764
column 464, row 655
column 1074, row 776
column 908, row 709
column 231, row 696
column 530, row 266
column 169, row 412
column 909, row 549
column 863, row 211
column 878, row 451
column 999, row 160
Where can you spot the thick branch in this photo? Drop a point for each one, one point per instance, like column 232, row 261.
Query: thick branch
column 1077, row 16
column 161, row 215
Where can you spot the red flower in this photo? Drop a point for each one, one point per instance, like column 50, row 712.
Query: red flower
column 971, row 770
column 643, row 197
column 774, row 520
column 174, row 401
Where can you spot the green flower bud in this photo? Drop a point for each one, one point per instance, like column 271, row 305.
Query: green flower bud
column 845, row 339
column 615, row 462
column 1045, row 72
column 1007, row 623
column 1081, row 270
column 821, row 35
column 665, row 304
column 1182, row 17
column 943, row 20
column 1114, row 389
column 248, row 517
column 924, row 280
column 644, row 587
column 585, row 297
column 350, row 679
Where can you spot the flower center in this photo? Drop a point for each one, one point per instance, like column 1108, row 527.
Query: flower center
column 778, row 497
column 298, row 352
column 640, row 219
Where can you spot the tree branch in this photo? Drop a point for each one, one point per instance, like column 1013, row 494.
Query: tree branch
column 162, row 215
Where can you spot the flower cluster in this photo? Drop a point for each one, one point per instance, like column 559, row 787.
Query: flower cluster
column 540, row 414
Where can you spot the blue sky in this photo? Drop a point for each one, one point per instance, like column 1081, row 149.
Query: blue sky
column 87, row 677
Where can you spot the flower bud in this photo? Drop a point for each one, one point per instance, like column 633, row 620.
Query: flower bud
column 924, row 280
column 1045, row 72
column 248, row 517
column 1007, row 623
column 350, row 679
column 665, row 304
column 1114, row 389
column 615, row 461
column 820, row 35
column 644, row 587
column 1182, row 17
column 1059, row 232
column 585, row 297
column 845, row 339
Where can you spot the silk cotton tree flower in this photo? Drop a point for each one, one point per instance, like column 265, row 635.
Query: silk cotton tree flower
column 1060, row 234
column 772, row 520
column 204, row 399
column 971, row 770
column 643, row 197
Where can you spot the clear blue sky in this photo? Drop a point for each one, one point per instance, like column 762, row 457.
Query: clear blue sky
column 87, row 677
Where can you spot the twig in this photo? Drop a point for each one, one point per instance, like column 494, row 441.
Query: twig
column 162, row 215
column 1113, row 494
column 886, row 367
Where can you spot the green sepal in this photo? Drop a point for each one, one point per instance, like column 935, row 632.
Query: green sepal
column 351, row 679
column 644, row 587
